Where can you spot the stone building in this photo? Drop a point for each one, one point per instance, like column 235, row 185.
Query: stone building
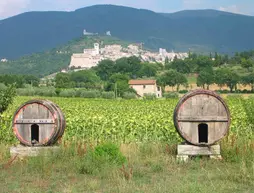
column 143, row 87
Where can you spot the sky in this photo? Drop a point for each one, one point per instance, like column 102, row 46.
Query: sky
column 10, row 8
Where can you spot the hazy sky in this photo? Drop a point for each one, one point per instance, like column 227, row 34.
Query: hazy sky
column 13, row 7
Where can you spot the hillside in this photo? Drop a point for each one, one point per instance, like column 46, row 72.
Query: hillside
column 200, row 30
column 45, row 63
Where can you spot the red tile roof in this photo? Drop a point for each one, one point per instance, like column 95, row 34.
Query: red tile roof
column 142, row 82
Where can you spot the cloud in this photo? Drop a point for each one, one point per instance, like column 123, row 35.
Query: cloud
column 235, row 9
column 12, row 7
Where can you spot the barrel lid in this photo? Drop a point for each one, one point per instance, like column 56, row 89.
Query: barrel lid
column 19, row 120
column 194, row 117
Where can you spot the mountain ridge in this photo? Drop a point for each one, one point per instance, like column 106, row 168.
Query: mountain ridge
column 198, row 30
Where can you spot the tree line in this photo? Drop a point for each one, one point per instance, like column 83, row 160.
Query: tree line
column 111, row 75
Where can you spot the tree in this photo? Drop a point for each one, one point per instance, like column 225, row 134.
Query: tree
column 205, row 77
column 249, row 80
column 105, row 69
column 130, row 66
column 63, row 81
column 85, row 76
column 32, row 80
column 148, row 70
column 180, row 66
column 119, row 84
column 247, row 63
column 172, row 78
column 203, row 62
column 226, row 76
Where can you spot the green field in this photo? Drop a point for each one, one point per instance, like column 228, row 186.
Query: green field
column 124, row 121
column 145, row 133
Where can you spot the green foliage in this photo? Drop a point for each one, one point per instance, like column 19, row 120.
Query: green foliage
column 37, row 91
column 172, row 78
column 6, row 97
column 90, row 94
column 180, row 66
column 125, row 121
column 248, row 80
column 111, row 152
column 129, row 95
column 105, row 155
column 105, row 69
column 68, row 93
column 148, row 70
column 108, row 95
column 149, row 96
column 2, row 86
column 170, row 95
column 63, row 80
column 85, row 76
column 19, row 80
column 205, row 77
column 249, row 63
column 226, row 76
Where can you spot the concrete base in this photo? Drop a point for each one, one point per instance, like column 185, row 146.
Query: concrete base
column 23, row 151
column 184, row 152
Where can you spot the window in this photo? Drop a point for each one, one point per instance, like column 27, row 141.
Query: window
column 144, row 86
column 158, row 88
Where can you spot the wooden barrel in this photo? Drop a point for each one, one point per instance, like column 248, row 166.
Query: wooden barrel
column 202, row 118
column 38, row 123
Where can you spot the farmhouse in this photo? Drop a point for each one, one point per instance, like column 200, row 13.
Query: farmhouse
column 143, row 87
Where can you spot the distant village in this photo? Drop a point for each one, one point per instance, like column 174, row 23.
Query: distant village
column 91, row 57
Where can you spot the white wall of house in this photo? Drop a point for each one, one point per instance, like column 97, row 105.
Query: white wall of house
column 146, row 89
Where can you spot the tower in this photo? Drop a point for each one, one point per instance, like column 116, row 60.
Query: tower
column 96, row 49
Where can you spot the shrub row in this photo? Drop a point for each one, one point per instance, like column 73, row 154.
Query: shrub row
column 83, row 93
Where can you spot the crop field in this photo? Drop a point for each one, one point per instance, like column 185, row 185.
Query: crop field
column 145, row 133
column 127, row 121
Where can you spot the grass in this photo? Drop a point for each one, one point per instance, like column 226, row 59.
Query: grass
column 149, row 168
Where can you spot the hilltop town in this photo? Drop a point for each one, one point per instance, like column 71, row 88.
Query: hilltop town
column 91, row 57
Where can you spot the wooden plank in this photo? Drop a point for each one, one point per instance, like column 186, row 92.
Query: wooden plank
column 35, row 121
column 197, row 150
column 202, row 119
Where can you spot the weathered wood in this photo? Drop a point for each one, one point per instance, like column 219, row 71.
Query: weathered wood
column 35, row 121
column 38, row 123
column 198, row 150
column 202, row 117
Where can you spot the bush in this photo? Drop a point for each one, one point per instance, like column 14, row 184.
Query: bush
column 78, row 92
column 26, row 91
column 170, row 95
column 149, row 96
column 2, row 86
column 45, row 91
column 129, row 95
column 183, row 91
column 108, row 95
column 104, row 156
column 111, row 152
column 6, row 97
column 67, row 93
column 90, row 94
